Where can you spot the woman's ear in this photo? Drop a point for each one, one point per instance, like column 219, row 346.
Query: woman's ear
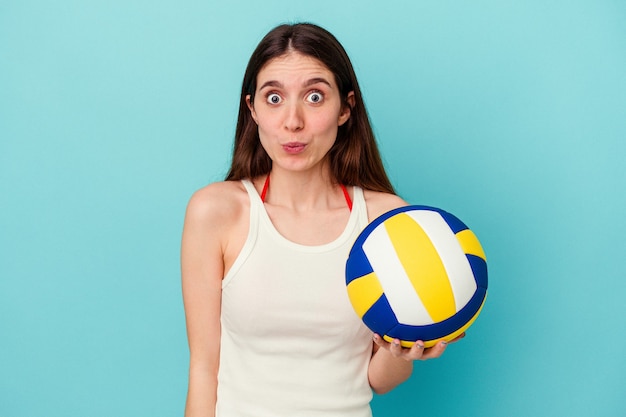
column 347, row 108
column 251, row 107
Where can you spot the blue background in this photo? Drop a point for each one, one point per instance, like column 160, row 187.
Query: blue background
column 509, row 114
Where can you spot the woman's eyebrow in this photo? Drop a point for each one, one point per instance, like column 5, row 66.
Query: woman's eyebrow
column 275, row 84
column 317, row 80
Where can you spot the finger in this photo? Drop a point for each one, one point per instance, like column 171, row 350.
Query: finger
column 417, row 350
column 379, row 341
column 459, row 337
column 435, row 351
column 396, row 348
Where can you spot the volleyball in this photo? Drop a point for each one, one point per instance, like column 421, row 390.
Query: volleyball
column 417, row 273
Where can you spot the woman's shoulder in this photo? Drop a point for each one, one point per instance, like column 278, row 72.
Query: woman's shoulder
column 379, row 202
column 218, row 202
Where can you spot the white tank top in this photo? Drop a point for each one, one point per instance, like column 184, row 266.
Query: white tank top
column 291, row 344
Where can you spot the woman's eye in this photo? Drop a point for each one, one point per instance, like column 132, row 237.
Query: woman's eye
column 315, row 97
column 274, row 98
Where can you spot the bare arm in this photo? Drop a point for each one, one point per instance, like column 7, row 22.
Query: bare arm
column 202, row 268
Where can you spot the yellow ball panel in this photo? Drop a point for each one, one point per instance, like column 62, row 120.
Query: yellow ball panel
column 423, row 267
column 363, row 292
column 470, row 244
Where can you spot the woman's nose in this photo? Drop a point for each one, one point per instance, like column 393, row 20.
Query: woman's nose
column 294, row 117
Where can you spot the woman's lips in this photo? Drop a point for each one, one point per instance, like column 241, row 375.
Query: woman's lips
column 294, row 147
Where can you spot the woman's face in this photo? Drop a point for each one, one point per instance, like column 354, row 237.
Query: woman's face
column 298, row 110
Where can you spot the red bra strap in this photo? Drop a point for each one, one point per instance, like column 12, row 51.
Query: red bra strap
column 266, row 186
column 348, row 199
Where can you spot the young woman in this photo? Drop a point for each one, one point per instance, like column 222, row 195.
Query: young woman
column 271, row 330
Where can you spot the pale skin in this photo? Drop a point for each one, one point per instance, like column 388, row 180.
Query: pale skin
column 298, row 110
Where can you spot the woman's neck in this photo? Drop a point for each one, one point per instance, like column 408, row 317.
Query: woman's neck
column 301, row 191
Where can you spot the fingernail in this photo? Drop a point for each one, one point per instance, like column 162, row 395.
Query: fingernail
column 419, row 346
column 443, row 342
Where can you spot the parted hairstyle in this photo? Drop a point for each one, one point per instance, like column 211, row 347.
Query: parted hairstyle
column 354, row 158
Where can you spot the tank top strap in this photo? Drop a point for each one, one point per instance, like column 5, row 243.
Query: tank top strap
column 359, row 207
column 255, row 199
column 253, row 230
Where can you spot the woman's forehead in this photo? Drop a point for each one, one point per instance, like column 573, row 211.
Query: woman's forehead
column 294, row 66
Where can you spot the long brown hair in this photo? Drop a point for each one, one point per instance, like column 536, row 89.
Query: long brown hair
column 354, row 158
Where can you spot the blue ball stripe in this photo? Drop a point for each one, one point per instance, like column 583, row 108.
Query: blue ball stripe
column 479, row 268
column 455, row 224
column 441, row 329
column 380, row 317
column 357, row 265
